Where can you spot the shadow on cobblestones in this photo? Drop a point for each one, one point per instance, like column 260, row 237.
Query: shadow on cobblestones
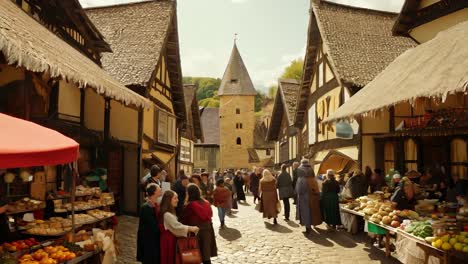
column 340, row 238
column 249, row 240
column 318, row 238
column 230, row 234
column 277, row 228
column 292, row 224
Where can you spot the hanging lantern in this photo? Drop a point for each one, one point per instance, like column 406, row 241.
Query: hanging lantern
column 344, row 130
column 9, row 177
column 25, row 175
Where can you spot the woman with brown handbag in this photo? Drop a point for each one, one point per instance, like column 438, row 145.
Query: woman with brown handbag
column 171, row 228
column 198, row 213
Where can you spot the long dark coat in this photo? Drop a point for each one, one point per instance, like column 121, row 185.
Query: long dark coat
column 254, row 183
column 284, row 185
column 239, row 182
column 308, row 197
column 148, row 236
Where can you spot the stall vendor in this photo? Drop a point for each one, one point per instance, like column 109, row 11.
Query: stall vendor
column 4, row 227
column 403, row 197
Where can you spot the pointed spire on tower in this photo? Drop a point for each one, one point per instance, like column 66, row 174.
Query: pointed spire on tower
column 236, row 79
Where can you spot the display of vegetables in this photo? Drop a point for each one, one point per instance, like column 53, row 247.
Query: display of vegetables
column 420, row 229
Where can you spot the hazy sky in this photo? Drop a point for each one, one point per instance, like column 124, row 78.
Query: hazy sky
column 271, row 33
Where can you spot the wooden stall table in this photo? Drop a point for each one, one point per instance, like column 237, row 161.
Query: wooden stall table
column 388, row 231
column 429, row 250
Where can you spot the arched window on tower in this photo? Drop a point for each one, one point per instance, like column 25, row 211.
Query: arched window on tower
column 238, row 141
column 237, row 111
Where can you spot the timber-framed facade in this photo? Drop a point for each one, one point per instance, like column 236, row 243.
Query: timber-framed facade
column 149, row 65
column 58, row 82
column 338, row 63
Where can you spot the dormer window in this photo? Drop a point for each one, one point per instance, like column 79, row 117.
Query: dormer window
column 234, row 80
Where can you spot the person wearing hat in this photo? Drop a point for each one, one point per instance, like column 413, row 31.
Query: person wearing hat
column 330, row 201
column 308, row 197
column 404, row 195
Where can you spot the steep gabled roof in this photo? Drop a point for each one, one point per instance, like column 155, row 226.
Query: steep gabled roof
column 260, row 136
column 358, row 41
column 210, row 122
column 286, row 102
column 137, row 33
column 236, row 79
column 435, row 69
column 24, row 42
column 84, row 25
column 191, row 105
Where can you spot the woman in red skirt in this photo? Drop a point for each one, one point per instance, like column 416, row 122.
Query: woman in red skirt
column 171, row 228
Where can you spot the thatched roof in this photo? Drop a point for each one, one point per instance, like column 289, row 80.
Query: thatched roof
column 260, row 136
column 436, row 68
column 26, row 43
column 83, row 24
column 236, row 78
column 193, row 113
column 286, row 102
column 210, row 122
column 359, row 41
column 137, row 34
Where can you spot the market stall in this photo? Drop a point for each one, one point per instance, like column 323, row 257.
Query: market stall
column 28, row 150
column 431, row 230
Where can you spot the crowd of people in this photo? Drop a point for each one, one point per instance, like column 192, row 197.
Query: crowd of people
column 187, row 207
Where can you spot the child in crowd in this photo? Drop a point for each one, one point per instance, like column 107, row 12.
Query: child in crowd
column 221, row 196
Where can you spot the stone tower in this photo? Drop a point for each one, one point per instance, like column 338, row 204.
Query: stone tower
column 236, row 113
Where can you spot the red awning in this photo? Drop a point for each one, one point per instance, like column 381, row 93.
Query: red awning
column 26, row 144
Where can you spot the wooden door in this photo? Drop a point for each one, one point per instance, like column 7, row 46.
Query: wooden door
column 114, row 173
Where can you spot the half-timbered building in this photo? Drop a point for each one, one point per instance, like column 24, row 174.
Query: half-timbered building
column 206, row 156
column 145, row 58
column 50, row 49
column 347, row 47
column 282, row 132
column 262, row 153
column 423, row 125
column 192, row 131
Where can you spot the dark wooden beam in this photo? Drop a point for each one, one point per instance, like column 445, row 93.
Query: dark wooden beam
column 321, row 91
column 82, row 107
column 412, row 19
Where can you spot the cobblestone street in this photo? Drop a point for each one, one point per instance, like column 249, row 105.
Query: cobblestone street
column 250, row 239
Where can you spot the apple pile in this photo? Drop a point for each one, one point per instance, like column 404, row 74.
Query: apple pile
column 20, row 245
